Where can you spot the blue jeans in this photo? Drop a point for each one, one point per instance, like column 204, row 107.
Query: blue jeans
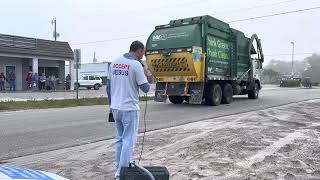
column 126, row 124
column 12, row 84
column 2, row 86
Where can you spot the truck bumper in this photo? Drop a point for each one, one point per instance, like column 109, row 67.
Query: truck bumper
column 192, row 90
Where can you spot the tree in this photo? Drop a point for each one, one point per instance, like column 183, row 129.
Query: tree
column 284, row 67
column 313, row 68
column 270, row 76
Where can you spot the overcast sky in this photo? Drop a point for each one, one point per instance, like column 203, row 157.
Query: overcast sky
column 80, row 21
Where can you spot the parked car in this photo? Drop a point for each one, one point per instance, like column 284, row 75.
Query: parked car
column 89, row 81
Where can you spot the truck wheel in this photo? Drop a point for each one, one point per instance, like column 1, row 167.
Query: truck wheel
column 187, row 99
column 254, row 94
column 227, row 94
column 214, row 95
column 176, row 99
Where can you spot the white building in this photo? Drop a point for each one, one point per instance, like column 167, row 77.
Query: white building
column 22, row 55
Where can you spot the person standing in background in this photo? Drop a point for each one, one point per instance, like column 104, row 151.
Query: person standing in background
column 42, row 80
column 2, row 81
column 12, row 81
column 29, row 80
column 35, row 79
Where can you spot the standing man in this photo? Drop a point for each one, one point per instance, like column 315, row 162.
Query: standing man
column 12, row 81
column 35, row 79
column 52, row 82
column 2, row 81
column 127, row 75
column 29, row 80
column 68, row 82
column 42, row 80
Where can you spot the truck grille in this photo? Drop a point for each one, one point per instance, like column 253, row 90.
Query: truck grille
column 170, row 64
column 177, row 64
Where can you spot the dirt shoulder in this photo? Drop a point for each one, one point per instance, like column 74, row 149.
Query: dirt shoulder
column 276, row 143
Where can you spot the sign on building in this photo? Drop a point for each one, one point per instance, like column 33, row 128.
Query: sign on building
column 77, row 58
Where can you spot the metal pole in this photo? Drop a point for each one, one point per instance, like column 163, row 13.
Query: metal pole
column 292, row 58
column 77, row 56
column 55, row 29
column 77, row 87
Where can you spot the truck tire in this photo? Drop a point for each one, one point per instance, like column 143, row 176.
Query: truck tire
column 176, row 99
column 214, row 95
column 254, row 94
column 227, row 94
column 187, row 99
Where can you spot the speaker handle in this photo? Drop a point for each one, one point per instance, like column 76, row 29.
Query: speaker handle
column 141, row 168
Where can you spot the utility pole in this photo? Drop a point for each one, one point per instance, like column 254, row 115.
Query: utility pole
column 77, row 58
column 55, row 34
column 292, row 58
column 55, row 29
column 94, row 58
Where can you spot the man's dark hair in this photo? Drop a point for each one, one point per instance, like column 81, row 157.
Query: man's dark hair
column 136, row 45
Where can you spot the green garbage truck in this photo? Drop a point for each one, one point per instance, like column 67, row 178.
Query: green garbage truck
column 201, row 60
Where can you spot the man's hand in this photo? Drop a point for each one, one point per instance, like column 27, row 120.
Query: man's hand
column 145, row 72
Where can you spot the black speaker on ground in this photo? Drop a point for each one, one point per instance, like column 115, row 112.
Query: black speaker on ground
column 134, row 173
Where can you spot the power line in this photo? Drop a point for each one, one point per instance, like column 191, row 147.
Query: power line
column 277, row 14
column 253, row 7
column 247, row 19
column 287, row 54
column 108, row 40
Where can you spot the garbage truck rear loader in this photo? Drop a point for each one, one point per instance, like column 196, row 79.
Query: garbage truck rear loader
column 203, row 60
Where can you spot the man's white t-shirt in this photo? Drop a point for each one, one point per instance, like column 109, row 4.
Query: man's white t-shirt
column 126, row 76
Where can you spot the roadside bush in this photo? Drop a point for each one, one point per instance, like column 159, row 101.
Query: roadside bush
column 293, row 83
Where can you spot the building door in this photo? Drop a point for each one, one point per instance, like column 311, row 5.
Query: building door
column 10, row 69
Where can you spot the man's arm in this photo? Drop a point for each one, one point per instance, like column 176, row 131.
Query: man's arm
column 142, row 79
column 145, row 87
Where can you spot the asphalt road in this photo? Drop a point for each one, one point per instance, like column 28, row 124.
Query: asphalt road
column 30, row 132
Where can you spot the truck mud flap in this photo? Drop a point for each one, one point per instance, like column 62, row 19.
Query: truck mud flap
column 196, row 93
column 160, row 92
column 176, row 89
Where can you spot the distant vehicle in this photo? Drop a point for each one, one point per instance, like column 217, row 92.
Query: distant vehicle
column 89, row 81
column 306, row 82
column 9, row 173
column 289, row 81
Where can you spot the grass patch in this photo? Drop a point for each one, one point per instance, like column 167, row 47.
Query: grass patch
column 46, row 104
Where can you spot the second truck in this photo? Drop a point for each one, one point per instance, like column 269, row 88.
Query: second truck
column 203, row 60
